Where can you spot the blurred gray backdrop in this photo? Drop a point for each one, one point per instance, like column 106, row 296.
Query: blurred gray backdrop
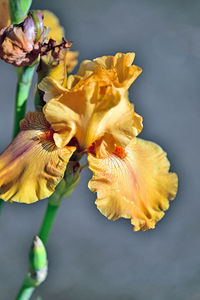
column 89, row 256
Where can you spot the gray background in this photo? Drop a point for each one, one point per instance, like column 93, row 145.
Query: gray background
column 89, row 256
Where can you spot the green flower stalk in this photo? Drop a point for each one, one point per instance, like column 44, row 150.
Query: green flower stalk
column 24, row 80
column 64, row 189
column 37, row 257
column 18, row 9
column 31, row 30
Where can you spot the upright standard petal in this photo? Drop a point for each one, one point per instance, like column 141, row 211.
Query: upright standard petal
column 118, row 70
column 32, row 165
column 92, row 102
column 133, row 183
column 89, row 113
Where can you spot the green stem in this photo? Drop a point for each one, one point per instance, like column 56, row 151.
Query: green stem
column 25, row 76
column 63, row 189
column 1, row 205
column 47, row 223
column 27, row 289
column 25, row 292
column 24, row 80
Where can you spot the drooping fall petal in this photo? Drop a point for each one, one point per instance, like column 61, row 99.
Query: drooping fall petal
column 32, row 166
column 133, row 183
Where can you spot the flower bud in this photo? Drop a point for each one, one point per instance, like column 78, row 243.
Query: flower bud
column 37, row 255
column 38, row 262
column 21, row 44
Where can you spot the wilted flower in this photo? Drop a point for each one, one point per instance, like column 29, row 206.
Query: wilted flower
column 20, row 44
column 90, row 113
column 56, row 33
column 59, row 60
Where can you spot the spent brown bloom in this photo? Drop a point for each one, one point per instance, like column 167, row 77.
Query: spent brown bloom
column 20, row 44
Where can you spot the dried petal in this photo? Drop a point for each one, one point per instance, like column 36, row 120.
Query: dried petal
column 21, row 44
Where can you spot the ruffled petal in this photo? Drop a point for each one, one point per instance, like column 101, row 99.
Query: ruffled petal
column 54, row 72
column 51, row 87
column 89, row 113
column 93, row 102
column 117, row 70
column 133, row 183
column 32, row 166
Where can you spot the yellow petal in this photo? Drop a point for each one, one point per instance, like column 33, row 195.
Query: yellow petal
column 50, row 20
column 4, row 14
column 57, row 68
column 51, row 87
column 94, row 102
column 118, row 68
column 32, row 166
column 133, row 184
column 89, row 113
column 71, row 60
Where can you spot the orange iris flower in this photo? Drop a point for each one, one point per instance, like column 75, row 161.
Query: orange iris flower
column 90, row 113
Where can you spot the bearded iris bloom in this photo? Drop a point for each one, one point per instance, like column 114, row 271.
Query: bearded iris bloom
column 90, row 113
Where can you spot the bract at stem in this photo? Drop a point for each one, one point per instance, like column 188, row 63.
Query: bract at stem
column 18, row 9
